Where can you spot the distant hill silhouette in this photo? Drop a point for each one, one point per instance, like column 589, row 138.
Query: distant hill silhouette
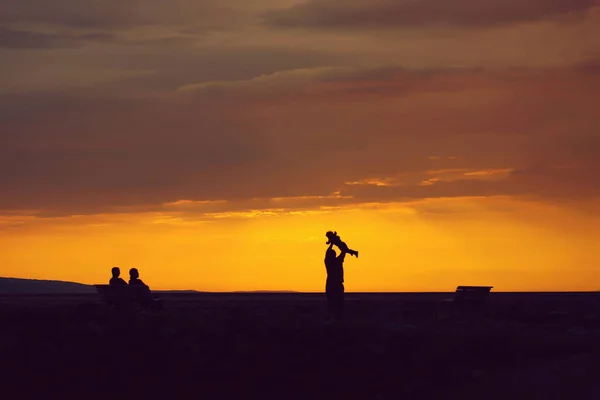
column 266, row 291
column 34, row 286
column 177, row 291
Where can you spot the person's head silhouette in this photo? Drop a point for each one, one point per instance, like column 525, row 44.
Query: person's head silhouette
column 133, row 273
column 330, row 254
column 116, row 272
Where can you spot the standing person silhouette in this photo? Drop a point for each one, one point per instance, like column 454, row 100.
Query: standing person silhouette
column 334, row 286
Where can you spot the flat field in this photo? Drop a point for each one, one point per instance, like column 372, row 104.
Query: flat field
column 392, row 345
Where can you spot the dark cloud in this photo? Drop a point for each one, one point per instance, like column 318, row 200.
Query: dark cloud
column 14, row 39
column 548, row 183
column 558, row 167
column 152, row 66
column 22, row 39
column 86, row 14
column 50, row 107
column 337, row 83
column 389, row 14
column 115, row 14
column 91, row 151
column 65, row 24
column 207, row 64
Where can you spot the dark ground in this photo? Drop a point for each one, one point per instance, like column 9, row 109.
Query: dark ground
column 530, row 346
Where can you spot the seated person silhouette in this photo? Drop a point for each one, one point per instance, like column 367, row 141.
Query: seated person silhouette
column 146, row 295
column 134, row 278
column 336, row 240
column 116, row 279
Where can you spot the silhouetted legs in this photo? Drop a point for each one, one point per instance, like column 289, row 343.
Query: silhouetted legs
column 344, row 248
column 335, row 300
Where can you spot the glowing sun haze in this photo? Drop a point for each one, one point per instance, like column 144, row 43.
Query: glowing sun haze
column 211, row 144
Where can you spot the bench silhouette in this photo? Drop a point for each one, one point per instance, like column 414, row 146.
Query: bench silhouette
column 471, row 294
column 124, row 295
column 469, row 298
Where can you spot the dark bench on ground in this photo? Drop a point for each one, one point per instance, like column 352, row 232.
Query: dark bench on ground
column 469, row 298
column 471, row 294
column 124, row 295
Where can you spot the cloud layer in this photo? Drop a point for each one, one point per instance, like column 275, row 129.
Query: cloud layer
column 236, row 140
column 108, row 107
column 386, row 14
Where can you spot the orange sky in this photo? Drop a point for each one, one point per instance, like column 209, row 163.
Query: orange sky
column 211, row 144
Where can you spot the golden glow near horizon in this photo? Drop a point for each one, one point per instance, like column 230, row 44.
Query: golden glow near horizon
column 503, row 242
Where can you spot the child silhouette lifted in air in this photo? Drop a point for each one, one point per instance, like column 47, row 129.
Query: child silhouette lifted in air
column 336, row 240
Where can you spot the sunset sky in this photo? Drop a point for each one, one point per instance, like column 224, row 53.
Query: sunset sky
column 212, row 143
